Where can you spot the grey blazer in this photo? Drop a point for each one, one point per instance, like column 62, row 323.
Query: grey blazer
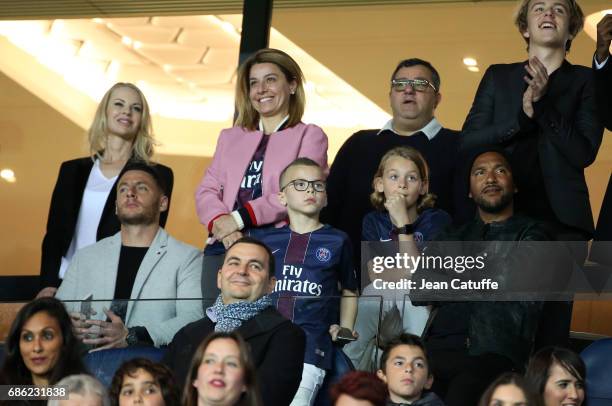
column 170, row 270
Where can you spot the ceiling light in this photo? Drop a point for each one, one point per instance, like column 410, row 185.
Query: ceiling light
column 127, row 40
column 167, row 67
column 468, row 61
column 8, row 175
column 473, row 69
column 137, row 44
column 98, row 20
column 227, row 26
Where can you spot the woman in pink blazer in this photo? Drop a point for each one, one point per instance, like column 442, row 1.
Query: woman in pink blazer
column 239, row 189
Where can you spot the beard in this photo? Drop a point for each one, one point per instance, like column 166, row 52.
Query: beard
column 494, row 207
column 145, row 217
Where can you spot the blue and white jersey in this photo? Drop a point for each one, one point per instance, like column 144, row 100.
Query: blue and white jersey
column 311, row 269
column 377, row 226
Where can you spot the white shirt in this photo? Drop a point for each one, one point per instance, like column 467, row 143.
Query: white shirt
column 94, row 199
column 430, row 130
column 599, row 65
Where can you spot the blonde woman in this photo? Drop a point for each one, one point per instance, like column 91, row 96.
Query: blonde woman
column 82, row 207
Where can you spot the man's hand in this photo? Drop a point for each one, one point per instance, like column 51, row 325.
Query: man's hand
column 334, row 329
column 80, row 328
column 604, row 37
column 224, row 226
column 396, row 206
column 538, row 83
column 112, row 334
column 47, row 292
column 528, row 102
column 537, row 79
column 230, row 239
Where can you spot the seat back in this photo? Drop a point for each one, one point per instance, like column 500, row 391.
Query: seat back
column 103, row 364
column 598, row 359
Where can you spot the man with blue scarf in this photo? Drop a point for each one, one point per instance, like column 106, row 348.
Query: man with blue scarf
column 277, row 345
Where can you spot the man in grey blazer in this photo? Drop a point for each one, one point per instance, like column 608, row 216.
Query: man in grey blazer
column 140, row 262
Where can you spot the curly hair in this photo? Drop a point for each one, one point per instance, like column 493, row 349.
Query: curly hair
column 425, row 201
column 161, row 374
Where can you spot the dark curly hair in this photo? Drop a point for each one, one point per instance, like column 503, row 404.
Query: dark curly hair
column 160, row 373
column 14, row 370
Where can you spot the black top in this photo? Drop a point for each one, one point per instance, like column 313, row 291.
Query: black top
column 349, row 184
column 64, row 213
column 603, row 89
column 505, row 328
column 565, row 129
column 130, row 259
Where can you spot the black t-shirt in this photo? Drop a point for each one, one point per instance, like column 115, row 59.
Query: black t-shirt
column 130, row 259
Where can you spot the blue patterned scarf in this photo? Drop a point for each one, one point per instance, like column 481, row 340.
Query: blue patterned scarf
column 231, row 316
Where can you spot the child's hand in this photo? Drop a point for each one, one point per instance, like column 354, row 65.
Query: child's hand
column 396, row 206
column 335, row 329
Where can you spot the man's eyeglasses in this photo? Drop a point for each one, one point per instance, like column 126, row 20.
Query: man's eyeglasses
column 419, row 85
column 302, row 184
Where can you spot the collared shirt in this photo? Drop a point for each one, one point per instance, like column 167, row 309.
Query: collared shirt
column 599, row 65
column 283, row 121
column 430, row 130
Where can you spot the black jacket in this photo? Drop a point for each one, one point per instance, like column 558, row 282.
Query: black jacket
column 565, row 128
column 277, row 346
column 64, row 213
column 603, row 90
column 501, row 327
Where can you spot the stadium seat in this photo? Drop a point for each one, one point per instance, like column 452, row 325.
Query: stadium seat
column 598, row 359
column 103, row 364
column 341, row 365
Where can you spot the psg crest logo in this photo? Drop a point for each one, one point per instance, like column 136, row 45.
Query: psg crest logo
column 323, row 254
column 418, row 237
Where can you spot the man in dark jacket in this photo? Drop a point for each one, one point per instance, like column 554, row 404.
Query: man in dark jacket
column 277, row 345
column 470, row 340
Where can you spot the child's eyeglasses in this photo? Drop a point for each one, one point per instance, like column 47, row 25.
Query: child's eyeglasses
column 302, row 184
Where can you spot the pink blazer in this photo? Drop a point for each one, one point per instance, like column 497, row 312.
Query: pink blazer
column 219, row 187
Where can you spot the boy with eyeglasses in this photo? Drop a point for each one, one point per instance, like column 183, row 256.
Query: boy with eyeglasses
column 312, row 261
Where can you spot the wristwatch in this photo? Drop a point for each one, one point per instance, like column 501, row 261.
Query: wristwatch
column 406, row 229
column 132, row 337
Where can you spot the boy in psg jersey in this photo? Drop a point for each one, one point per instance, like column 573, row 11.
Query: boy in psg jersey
column 312, row 261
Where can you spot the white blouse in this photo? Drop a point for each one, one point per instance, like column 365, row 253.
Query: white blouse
column 94, row 199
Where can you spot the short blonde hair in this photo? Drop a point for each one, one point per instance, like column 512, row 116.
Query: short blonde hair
column 247, row 117
column 143, row 145
column 576, row 20
column 425, row 201
column 83, row 385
